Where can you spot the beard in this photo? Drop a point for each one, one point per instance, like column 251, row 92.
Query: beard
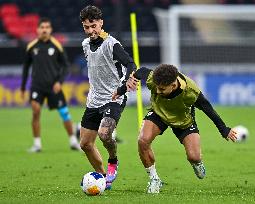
column 93, row 36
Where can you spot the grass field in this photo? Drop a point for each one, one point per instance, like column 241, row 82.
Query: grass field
column 53, row 176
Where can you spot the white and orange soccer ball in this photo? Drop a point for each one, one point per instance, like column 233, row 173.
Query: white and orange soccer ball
column 242, row 133
column 93, row 183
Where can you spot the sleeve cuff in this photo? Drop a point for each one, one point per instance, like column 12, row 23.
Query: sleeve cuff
column 122, row 90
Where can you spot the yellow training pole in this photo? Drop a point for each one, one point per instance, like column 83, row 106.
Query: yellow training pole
column 136, row 60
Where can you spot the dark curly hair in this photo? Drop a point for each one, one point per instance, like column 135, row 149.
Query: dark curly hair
column 164, row 74
column 91, row 13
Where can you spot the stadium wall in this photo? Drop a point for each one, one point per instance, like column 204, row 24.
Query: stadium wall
column 14, row 55
column 221, row 89
column 75, row 88
column 230, row 89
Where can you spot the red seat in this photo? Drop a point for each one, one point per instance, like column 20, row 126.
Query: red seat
column 9, row 9
column 30, row 22
column 9, row 20
column 30, row 19
column 21, row 27
column 14, row 26
column 17, row 30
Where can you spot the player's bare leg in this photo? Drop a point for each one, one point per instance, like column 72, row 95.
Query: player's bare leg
column 193, row 151
column 105, row 131
column 68, row 127
column 66, row 117
column 148, row 133
column 36, row 112
column 87, row 143
column 74, row 144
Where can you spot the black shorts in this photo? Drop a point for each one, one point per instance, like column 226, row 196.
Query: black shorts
column 179, row 133
column 92, row 117
column 55, row 101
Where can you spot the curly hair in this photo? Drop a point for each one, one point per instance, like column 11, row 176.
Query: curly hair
column 91, row 13
column 164, row 74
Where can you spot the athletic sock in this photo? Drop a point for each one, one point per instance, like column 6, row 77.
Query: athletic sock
column 113, row 161
column 152, row 172
column 73, row 140
column 37, row 141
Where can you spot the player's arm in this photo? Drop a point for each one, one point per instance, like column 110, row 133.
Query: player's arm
column 140, row 74
column 203, row 104
column 25, row 71
column 123, row 57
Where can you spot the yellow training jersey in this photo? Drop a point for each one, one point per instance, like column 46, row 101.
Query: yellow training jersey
column 175, row 112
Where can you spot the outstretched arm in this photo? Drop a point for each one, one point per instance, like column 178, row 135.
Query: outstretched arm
column 131, row 84
column 203, row 104
column 123, row 58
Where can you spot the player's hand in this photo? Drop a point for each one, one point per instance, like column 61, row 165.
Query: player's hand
column 56, row 87
column 115, row 96
column 132, row 83
column 232, row 135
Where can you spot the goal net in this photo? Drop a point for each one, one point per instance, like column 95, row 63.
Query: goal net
column 208, row 38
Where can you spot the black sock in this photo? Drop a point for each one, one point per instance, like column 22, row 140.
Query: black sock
column 104, row 175
column 113, row 161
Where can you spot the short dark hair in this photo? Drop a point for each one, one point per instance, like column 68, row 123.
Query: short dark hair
column 44, row 20
column 91, row 13
column 165, row 74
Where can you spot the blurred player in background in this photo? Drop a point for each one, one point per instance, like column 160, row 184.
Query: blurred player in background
column 49, row 68
column 108, row 68
column 174, row 97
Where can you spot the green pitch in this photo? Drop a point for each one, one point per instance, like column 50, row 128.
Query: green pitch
column 54, row 175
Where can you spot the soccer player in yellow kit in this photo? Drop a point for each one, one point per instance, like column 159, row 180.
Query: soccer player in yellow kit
column 174, row 97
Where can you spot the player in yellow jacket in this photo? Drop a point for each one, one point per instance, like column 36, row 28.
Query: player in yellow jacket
column 174, row 97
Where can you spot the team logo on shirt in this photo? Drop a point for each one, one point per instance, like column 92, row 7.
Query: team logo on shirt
column 35, row 51
column 51, row 51
column 149, row 113
column 192, row 127
column 108, row 112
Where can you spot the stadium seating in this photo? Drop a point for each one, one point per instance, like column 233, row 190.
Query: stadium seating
column 16, row 25
column 65, row 13
column 9, row 10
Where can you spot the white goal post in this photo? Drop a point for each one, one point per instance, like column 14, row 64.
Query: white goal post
column 208, row 38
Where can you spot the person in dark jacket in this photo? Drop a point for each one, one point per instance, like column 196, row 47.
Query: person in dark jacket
column 49, row 68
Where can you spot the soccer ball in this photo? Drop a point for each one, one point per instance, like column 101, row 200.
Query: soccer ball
column 242, row 133
column 93, row 183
